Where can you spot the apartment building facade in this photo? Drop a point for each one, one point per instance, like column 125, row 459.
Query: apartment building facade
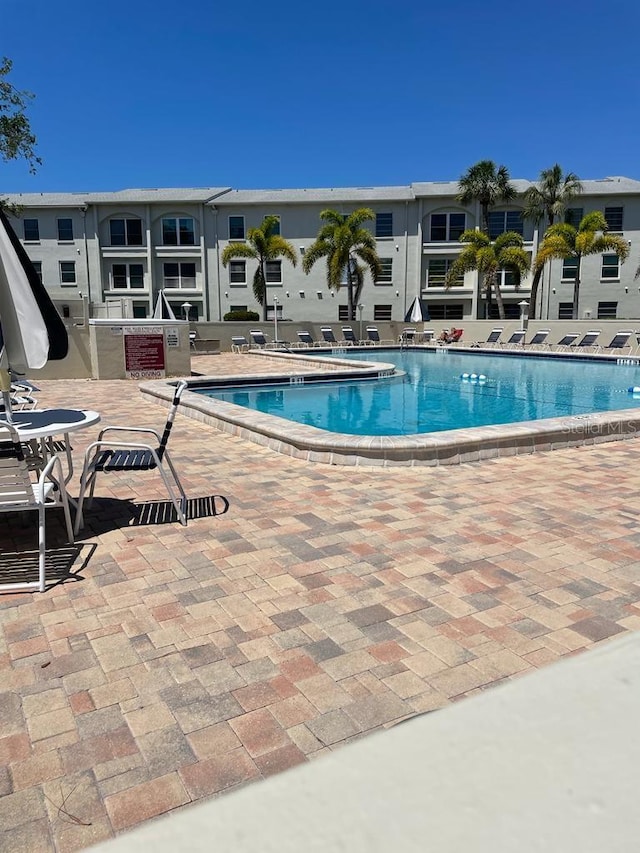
column 118, row 250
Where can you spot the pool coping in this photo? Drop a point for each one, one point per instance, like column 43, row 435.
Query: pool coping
column 448, row 447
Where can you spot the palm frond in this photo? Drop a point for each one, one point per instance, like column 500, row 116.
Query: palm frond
column 237, row 250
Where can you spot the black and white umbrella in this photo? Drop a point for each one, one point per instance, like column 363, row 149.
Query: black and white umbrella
column 418, row 312
column 31, row 330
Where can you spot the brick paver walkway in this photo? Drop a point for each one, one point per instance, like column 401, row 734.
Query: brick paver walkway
column 177, row 663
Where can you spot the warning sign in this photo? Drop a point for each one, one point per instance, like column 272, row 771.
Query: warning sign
column 144, row 352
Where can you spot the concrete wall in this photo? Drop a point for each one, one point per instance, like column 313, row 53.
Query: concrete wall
column 107, row 347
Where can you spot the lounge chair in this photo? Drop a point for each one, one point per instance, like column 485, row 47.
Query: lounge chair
column 407, row 336
column 19, row 493
column 259, row 339
column 373, row 337
column 619, row 342
column 493, row 339
column 565, row 343
column 327, row 336
column 305, row 339
column 125, row 457
column 516, row 340
column 588, row 341
column 239, row 343
column 539, row 339
column 348, row 336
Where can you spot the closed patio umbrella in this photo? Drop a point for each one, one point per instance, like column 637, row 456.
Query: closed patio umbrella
column 418, row 312
column 163, row 310
column 31, row 330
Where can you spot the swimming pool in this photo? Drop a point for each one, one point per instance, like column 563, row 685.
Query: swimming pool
column 441, row 446
column 440, row 390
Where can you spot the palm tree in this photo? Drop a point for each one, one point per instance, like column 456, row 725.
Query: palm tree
column 263, row 244
column 546, row 201
column 589, row 238
column 488, row 258
column 487, row 184
column 343, row 241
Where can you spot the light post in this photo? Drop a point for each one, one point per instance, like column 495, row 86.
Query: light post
column 275, row 319
column 360, row 309
column 523, row 313
column 186, row 307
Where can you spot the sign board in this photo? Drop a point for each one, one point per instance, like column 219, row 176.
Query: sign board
column 144, row 352
column 173, row 338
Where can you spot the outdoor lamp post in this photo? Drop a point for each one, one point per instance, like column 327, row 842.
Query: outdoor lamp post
column 523, row 313
column 360, row 309
column 186, row 307
column 275, row 319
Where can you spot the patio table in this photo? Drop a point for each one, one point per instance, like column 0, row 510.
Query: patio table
column 39, row 427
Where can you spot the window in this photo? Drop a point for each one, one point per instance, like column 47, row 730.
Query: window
column 569, row 267
column 273, row 272
column 237, row 272
column 382, row 312
column 384, row 224
column 343, row 313
column 444, row 311
column 386, row 273
column 125, row 232
column 65, row 230
column 31, row 230
column 127, row 276
column 67, row 272
column 511, row 311
column 573, row 216
column 505, row 220
column 140, row 310
column 236, row 227
column 270, row 312
column 437, row 271
column 178, row 232
column 180, row 275
column 447, row 226
column 37, row 265
column 610, row 267
column 276, row 227
column 506, row 278
column 607, row 310
column 613, row 215
column 565, row 311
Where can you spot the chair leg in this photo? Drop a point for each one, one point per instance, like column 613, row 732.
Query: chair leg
column 42, row 548
column 84, row 479
column 181, row 506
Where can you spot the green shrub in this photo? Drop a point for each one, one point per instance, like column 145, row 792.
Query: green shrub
column 241, row 315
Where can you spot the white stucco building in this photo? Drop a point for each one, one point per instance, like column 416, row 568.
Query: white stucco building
column 119, row 249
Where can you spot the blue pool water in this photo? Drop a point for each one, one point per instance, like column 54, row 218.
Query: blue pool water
column 432, row 396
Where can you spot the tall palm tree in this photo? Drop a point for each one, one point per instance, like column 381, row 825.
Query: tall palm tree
column 488, row 258
column 548, row 201
column 589, row 238
column 263, row 244
column 343, row 241
column 489, row 185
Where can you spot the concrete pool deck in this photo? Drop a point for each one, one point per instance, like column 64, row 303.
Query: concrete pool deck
column 448, row 447
column 172, row 664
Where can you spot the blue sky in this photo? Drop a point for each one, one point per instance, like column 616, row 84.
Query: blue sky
column 151, row 93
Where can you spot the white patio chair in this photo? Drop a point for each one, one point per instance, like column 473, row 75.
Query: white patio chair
column 19, row 493
column 116, row 456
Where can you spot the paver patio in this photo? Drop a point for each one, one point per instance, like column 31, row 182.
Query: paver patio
column 178, row 663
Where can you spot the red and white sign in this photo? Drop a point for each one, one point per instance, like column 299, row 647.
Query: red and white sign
column 144, row 352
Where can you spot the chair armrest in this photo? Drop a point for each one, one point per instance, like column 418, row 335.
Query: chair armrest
column 144, row 430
